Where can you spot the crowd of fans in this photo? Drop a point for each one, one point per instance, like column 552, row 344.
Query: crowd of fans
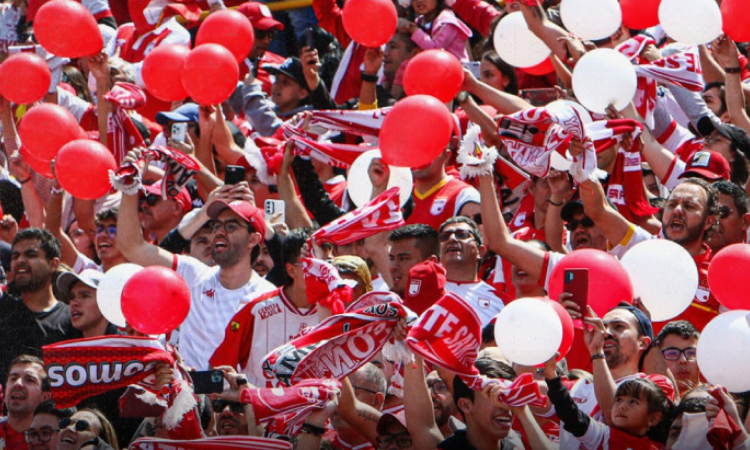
column 627, row 383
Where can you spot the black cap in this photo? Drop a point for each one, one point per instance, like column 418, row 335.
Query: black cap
column 292, row 68
column 738, row 136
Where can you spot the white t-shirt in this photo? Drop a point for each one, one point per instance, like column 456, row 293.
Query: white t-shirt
column 480, row 295
column 9, row 17
column 211, row 309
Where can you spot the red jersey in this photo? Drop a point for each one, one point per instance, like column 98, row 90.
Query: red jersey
column 11, row 439
column 441, row 202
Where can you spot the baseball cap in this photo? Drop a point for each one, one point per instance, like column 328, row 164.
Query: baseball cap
column 709, row 165
column 575, row 207
column 89, row 277
column 387, row 419
column 260, row 16
column 738, row 136
column 291, row 67
column 249, row 213
column 185, row 113
column 425, row 285
column 182, row 198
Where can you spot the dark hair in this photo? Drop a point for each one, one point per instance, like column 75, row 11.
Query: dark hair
column 637, row 387
column 426, row 238
column 290, row 249
column 722, row 94
column 49, row 243
column 691, row 405
column 463, row 219
column 712, row 199
column 31, row 359
column 107, row 433
column 505, row 69
column 107, row 214
column 78, row 82
column 48, row 407
column 488, row 367
column 739, row 195
column 681, row 328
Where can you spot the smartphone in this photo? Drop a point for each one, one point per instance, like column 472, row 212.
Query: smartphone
column 577, row 283
column 473, row 67
column 310, row 38
column 274, row 207
column 208, row 381
column 539, row 97
column 179, row 131
column 234, row 174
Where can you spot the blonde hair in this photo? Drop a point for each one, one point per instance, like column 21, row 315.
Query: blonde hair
column 354, row 265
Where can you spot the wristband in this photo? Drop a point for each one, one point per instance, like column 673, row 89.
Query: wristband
column 55, row 191
column 241, row 381
column 598, row 356
column 554, row 203
column 25, row 181
column 312, row 429
column 732, row 70
column 369, row 78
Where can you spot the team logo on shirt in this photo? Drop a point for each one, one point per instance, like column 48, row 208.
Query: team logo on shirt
column 234, row 326
column 484, row 303
column 268, row 311
column 438, row 206
column 414, row 287
column 210, row 293
column 702, row 294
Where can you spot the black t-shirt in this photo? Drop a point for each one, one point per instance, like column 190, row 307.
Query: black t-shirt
column 23, row 331
column 459, row 441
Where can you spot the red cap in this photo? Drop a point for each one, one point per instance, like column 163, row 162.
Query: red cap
column 425, row 286
column 260, row 16
column 709, row 165
column 387, row 419
column 246, row 210
column 182, row 198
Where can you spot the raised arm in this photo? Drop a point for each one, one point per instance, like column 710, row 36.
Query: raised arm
column 53, row 223
column 604, row 385
column 560, row 193
column 361, row 416
column 726, row 54
column 420, row 418
column 296, row 215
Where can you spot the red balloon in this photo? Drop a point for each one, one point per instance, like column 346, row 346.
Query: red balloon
column 543, row 68
column 66, row 28
column 162, row 72
column 609, row 283
column 45, row 128
column 723, row 280
column 155, row 300
column 87, row 181
column 371, row 23
column 210, row 74
column 568, row 331
column 734, row 14
column 230, row 29
column 415, row 131
column 34, row 72
column 39, row 166
column 640, row 14
column 434, row 72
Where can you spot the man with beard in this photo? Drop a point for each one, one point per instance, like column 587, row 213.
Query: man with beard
column 26, row 387
column 217, row 292
column 269, row 319
column 442, row 402
column 36, row 318
column 409, row 246
column 690, row 214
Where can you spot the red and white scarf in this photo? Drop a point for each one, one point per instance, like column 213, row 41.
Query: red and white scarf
column 179, row 170
column 449, row 334
column 222, row 443
column 530, row 136
column 338, row 346
column 306, row 396
column 336, row 155
column 325, row 287
column 382, row 213
column 81, row 368
column 681, row 69
column 122, row 134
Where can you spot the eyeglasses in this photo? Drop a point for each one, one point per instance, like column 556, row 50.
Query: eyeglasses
column 42, row 435
column 109, row 230
column 586, row 222
column 724, row 211
column 403, row 440
column 461, row 235
column 673, row 353
column 438, row 388
column 716, row 137
column 265, row 34
column 230, row 226
column 150, row 199
column 219, row 405
column 360, row 388
column 80, row 424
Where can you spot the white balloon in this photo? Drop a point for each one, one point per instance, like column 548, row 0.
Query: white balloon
column 516, row 44
column 528, row 331
column 591, row 19
column 664, row 276
column 691, row 21
column 724, row 353
column 360, row 187
column 109, row 292
column 602, row 77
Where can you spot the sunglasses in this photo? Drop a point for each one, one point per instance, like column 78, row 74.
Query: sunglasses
column 461, row 235
column 724, row 211
column 673, row 353
column 573, row 224
column 438, row 388
column 109, row 230
column 80, row 424
column 219, row 405
column 264, row 34
column 150, row 199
